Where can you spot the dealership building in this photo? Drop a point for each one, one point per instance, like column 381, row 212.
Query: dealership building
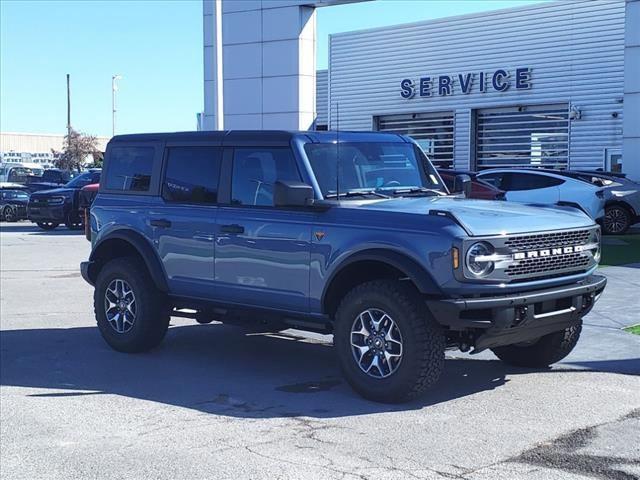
column 553, row 84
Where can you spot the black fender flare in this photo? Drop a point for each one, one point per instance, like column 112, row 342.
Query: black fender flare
column 414, row 271
column 144, row 249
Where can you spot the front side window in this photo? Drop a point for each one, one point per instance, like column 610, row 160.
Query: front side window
column 130, row 168
column 256, row 170
column 384, row 168
column 83, row 180
column 192, row 175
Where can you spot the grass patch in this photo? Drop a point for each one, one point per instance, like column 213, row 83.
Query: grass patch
column 620, row 249
column 635, row 329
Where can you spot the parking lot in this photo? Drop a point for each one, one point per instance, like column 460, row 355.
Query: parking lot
column 217, row 402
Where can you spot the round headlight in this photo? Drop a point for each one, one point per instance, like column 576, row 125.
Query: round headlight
column 475, row 264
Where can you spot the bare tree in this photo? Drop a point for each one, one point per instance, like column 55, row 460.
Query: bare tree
column 77, row 148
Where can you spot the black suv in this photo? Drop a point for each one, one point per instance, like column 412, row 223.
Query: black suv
column 50, row 208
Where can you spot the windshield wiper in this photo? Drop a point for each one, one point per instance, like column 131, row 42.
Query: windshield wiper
column 356, row 193
column 414, row 190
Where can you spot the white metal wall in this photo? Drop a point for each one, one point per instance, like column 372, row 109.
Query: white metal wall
column 322, row 97
column 575, row 50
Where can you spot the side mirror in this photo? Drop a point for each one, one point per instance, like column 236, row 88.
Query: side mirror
column 292, row 194
column 462, row 184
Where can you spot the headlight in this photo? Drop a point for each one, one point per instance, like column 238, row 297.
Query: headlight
column 598, row 253
column 56, row 201
column 476, row 264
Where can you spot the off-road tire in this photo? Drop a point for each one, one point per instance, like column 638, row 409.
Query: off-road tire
column 547, row 350
column 73, row 222
column 423, row 341
column 9, row 214
column 616, row 215
column 152, row 315
column 47, row 225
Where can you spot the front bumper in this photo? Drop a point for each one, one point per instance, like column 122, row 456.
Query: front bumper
column 508, row 319
column 84, row 271
column 55, row 214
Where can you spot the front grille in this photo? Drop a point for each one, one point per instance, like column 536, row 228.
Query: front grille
column 547, row 240
column 548, row 265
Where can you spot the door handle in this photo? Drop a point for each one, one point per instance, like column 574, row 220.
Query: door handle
column 234, row 228
column 160, row 223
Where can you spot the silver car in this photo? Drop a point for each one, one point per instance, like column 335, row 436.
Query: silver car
column 548, row 187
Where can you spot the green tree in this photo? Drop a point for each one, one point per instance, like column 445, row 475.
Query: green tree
column 77, row 149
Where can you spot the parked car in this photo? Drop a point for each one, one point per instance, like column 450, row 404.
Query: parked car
column 479, row 188
column 50, row 208
column 545, row 187
column 52, row 178
column 622, row 200
column 353, row 235
column 85, row 199
column 13, row 205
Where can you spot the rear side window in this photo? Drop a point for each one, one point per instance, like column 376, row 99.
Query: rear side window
column 530, row 181
column 192, row 175
column 255, row 171
column 130, row 168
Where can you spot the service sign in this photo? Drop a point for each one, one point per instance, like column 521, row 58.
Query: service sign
column 499, row 80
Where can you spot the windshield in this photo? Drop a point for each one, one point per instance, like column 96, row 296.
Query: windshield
column 385, row 168
column 17, row 195
column 81, row 180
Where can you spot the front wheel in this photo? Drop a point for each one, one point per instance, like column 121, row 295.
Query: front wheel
column 9, row 214
column 47, row 225
column 543, row 352
column 389, row 348
column 616, row 221
column 131, row 312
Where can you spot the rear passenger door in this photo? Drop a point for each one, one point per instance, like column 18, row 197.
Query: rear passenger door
column 531, row 188
column 184, row 221
column 262, row 252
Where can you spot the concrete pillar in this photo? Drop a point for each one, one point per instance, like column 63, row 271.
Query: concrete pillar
column 259, row 64
column 631, row 123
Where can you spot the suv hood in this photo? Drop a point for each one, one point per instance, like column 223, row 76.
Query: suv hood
column 56, row 191
column 486, row 217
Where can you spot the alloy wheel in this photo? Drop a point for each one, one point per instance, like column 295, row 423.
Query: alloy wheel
column 615, row 220
column 376, row 343
column 120, row 305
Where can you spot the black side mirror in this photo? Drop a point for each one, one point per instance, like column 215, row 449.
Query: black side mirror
column 462, row 184
column 292, row 194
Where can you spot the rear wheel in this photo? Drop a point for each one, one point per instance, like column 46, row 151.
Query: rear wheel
column 131, row 312
column 47, row 225
column 617, row 220
column 543, row 352
column 9, row 214
column 389, row 348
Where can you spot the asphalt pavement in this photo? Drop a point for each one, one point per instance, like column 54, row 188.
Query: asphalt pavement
column 214, row 401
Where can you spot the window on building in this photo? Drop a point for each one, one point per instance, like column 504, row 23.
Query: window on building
column 525, row 135
column 434, row 132
column 130, row 168
column 255, row 171
column 192, row 175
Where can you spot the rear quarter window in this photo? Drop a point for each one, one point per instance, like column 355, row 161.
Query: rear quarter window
column 130, row 168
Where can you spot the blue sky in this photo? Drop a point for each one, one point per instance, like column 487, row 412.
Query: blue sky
column 155, row 45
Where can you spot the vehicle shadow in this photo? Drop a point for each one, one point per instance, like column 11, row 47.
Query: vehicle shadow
column 32, row 229
column 216, row 369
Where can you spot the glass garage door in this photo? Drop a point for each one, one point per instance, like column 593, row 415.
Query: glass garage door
column 433, row 131
column 532, row 136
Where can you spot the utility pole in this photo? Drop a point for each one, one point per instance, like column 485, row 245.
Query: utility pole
column 68, row 107
column 114, row 89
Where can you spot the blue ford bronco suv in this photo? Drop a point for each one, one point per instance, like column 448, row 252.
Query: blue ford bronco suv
column 353, row 234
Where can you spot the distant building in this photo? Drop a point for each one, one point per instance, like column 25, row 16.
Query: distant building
column 34, row 147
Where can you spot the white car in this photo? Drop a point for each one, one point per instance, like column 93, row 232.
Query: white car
column 545, row 187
